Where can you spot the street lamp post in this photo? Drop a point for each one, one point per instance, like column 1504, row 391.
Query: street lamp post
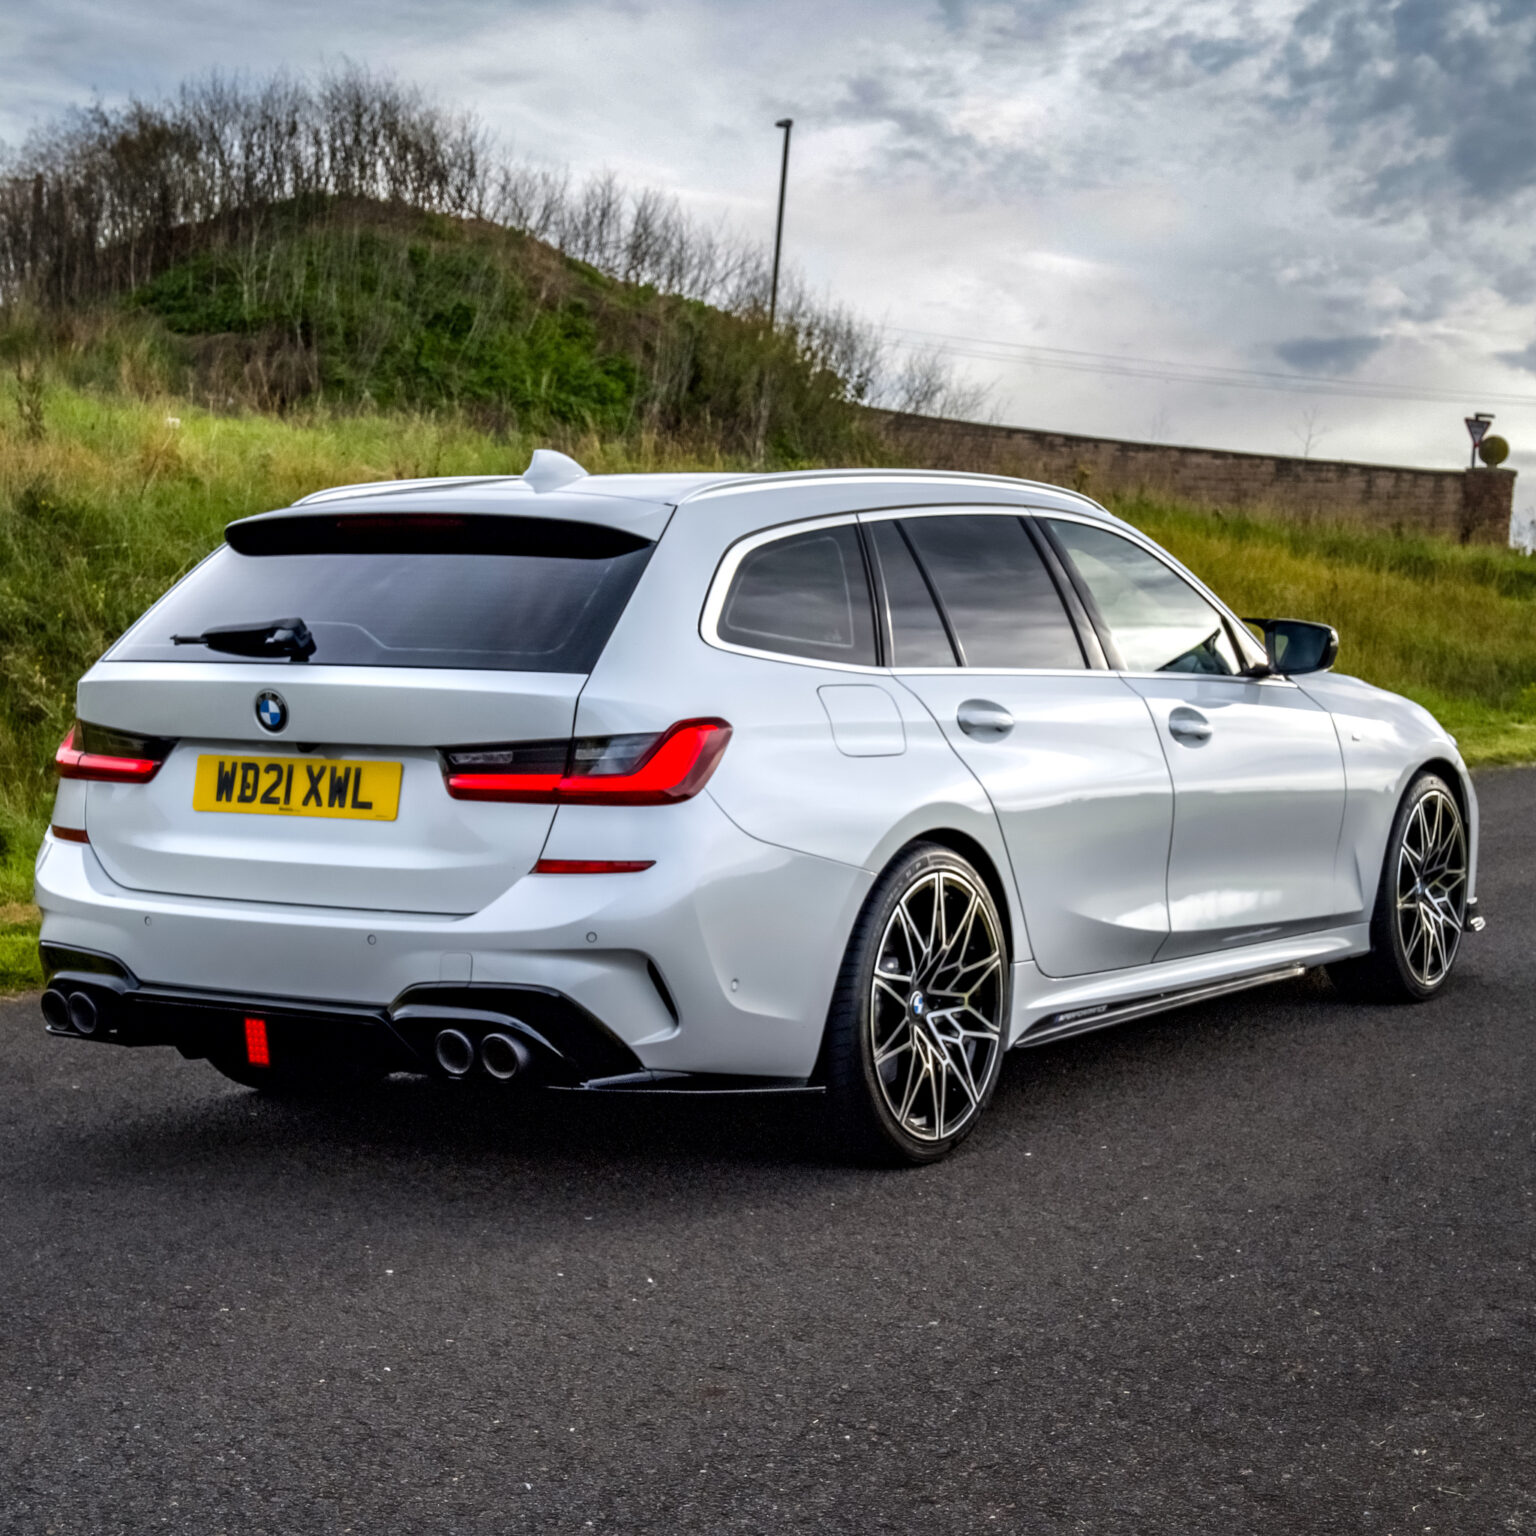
column 786, row 123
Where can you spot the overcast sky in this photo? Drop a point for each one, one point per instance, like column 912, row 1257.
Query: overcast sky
column 1343, row 190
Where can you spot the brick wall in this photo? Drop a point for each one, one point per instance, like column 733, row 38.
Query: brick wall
column 1472, row 506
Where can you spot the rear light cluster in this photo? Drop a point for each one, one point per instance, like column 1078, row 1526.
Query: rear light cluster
column 112, row 757
column 654, row 769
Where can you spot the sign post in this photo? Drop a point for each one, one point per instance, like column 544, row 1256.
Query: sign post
column 1477, row 430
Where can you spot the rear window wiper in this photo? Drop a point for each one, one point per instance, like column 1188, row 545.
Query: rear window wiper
column 277, row 637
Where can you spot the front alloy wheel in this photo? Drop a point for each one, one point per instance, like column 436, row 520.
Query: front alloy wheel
column 1421, row 906
column 915, row 1036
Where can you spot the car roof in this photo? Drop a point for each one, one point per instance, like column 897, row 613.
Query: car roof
column 644, row 503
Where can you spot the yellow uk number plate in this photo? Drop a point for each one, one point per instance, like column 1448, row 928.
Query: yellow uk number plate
column 296, row 786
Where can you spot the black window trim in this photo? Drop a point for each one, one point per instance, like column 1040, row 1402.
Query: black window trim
column 725, row 574
column 1087, row 640
column 1131, row 536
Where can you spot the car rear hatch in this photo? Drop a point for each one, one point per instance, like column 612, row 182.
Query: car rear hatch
column 305, row 762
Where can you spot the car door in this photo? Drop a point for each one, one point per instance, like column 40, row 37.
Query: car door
column 980, row 630
column 1258, row 774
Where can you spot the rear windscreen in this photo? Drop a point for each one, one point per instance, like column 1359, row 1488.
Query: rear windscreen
column 538, row 604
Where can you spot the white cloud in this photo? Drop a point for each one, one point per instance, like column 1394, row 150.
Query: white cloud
column 1194, row 180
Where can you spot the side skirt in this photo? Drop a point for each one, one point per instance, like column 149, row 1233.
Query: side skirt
column 1082, row 1021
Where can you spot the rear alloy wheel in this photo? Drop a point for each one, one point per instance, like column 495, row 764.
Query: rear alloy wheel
column 1421, row 907
column 915, row 1033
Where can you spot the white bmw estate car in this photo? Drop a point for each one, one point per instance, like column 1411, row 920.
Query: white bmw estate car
column 842, row 782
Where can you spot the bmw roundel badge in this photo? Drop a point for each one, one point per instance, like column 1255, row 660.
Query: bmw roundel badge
column 271, row 711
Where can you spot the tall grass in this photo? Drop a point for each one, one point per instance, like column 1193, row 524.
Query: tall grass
column 118, row 495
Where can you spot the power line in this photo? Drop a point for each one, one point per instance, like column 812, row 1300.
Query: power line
column 1119, row 365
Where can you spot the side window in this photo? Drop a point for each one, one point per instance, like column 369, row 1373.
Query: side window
column 804, row 595
column 1158, row 622
column 1000, row 600
column 918, row 638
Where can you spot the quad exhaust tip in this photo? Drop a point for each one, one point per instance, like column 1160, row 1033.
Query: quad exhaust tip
column 503, row 1057
column 83, row 1015
column 56, row 1008
column 455, row 1052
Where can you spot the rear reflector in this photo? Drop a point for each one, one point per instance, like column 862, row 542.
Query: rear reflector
column 616, row 770
column 114, row 758
column 591, row 866
column 256, row 1051
column 71, row 834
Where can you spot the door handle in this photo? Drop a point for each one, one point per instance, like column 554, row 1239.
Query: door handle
column 1189, row 726
column 984, row 720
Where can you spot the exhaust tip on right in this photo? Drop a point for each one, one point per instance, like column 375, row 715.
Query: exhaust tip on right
column 455, row 1052
column 83, row 1015
column 502, row 1056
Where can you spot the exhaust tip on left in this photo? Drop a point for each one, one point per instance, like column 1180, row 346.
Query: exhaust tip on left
column 56, row 1008
column 455, row 1052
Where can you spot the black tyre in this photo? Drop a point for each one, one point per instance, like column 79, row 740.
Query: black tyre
column 1421, row 902
column 915, row 1033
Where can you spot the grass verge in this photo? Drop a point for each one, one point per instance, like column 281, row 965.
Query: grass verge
column 114, row 497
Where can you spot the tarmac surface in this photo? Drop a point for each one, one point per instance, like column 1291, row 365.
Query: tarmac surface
column 1260, row 1266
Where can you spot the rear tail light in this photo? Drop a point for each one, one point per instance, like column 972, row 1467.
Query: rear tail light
column 651, row 769
column 114, row 757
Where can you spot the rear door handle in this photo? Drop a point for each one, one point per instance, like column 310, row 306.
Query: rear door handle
column 1189, row 726
column 984, row 720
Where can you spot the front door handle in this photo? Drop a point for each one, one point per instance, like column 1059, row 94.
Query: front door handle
column 1189, row 726
column 984, row 720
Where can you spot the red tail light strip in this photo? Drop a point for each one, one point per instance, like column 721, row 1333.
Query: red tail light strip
column 592, row 866
column 678, row 767
column 71, row 834
column 72, row 763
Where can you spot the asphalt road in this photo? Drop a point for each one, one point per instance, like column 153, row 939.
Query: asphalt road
column 1262, row 1266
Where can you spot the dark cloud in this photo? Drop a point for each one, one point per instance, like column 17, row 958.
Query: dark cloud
column 1332, row 355
column 1426, row 100
column 918, row 110
column 1524, row 359
column 1164, row 61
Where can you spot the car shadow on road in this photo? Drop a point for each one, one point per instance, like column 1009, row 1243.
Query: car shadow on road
column 409, row 1132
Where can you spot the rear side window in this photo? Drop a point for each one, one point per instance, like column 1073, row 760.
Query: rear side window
column 1000, row 599
column 805, row 595
column 918, row 638
column 523, row 600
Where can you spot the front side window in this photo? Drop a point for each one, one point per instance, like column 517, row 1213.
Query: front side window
column 804, row 595
column 1002, row 604
column 1157, row 621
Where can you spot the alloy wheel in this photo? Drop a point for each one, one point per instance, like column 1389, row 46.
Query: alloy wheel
column 1431, row 887
column 935, row 1006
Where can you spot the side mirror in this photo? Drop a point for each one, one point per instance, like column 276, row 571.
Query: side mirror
column 1295, row 646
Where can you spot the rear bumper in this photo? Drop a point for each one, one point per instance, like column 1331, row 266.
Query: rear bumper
column 719, row 960
column 566, row 1046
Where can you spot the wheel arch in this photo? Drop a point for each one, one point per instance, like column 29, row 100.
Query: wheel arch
column 977, row 856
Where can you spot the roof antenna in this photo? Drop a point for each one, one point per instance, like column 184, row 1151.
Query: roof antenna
column 548, row 471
